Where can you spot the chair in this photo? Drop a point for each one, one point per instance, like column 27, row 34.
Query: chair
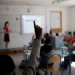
column 54, row 58
column 62, row 45
column 11, row 73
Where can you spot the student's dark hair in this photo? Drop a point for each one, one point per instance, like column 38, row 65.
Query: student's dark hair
column 74, row 33
column 50, row 31
column 47, row 40
column 6, row 23
column 46, row 35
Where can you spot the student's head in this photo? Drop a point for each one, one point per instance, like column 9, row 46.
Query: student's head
column 74, row 33
column 50, row 31
column 46, row 35
column 47, row 40
column 6, row 23
column 57, row 34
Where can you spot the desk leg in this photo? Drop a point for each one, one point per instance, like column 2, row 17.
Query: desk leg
column 26, row 58
column 70, row 63
column 24, row 55
column 62, row 53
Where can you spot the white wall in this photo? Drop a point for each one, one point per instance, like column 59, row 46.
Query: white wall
column 71, row 18
column 18, row 40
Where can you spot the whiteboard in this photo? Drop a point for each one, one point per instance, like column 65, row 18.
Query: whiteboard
column 28, row 26
column 55, row 20
column 14, row 23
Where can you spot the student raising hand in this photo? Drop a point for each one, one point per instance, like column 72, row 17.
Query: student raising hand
column 34, row 57
column 38, row 31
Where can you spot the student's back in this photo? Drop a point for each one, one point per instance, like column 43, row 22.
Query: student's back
column 46, row 51
column 46, row 48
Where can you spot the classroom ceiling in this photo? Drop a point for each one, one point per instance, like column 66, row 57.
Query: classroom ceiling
column 40, row 2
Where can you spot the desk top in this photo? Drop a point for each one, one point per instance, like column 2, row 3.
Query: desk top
column 27, row 52
column 65, row 48
column 42, row 44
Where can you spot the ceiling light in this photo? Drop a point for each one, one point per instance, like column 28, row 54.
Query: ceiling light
column 56, row 1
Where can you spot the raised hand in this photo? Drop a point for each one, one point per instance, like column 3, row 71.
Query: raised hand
column 38, row 31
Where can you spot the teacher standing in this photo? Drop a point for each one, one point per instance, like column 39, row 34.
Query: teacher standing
column 6, row 35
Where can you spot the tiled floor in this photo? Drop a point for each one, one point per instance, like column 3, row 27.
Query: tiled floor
column 19, row 57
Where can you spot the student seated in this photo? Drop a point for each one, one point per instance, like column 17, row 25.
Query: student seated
column 51, row 32
column 57, row 34
column 69, row 41
column 66, row 58
column 46, row 35
column 46, row 52
column 70, row 34
column 42, row 41
column 33, row 61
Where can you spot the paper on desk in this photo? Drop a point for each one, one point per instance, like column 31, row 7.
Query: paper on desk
column 64, row 47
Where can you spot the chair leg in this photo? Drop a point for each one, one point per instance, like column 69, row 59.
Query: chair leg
column 66, row 52
column 51, row 73
column 70, row 67
column 61, row 72
column 46, row 73
column 62, row 53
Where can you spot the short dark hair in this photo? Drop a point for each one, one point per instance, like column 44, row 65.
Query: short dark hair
column 6, row 23
column 74, row 33
column 46, row 35
column 47, row 40
column 50, row 31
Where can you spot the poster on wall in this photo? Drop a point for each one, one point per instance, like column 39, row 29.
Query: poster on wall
column 55, row 20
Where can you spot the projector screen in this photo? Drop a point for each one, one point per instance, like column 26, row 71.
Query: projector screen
column 27, row 23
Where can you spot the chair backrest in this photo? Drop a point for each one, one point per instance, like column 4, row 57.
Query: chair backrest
column 54, row 58
column 11, row 73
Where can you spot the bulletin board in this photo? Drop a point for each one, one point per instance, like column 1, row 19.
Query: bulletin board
column 56, row 21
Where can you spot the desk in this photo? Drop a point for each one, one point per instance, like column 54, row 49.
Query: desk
column 27, row 53
column 55, row 41
column 63, row 48
column 29, row 48
column 66, row 48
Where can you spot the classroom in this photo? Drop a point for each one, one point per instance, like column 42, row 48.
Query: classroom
column 55, row 17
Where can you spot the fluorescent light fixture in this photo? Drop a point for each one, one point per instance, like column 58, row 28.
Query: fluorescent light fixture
column 58, row 1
